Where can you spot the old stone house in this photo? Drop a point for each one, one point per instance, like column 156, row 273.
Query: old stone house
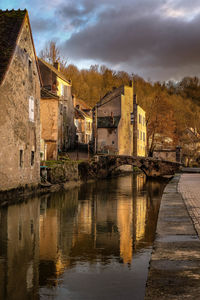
column 119, row 124
column 57, row 111
column 83, row 121
column 49, row 113
column 19, row 102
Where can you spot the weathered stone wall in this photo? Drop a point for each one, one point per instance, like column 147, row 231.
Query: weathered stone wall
column 61, row 173
column 16, row 130
column 49, row 110
column 125, row 129
column 165, row 155
column 108, row 137
column 66, row 121
column 107, row 140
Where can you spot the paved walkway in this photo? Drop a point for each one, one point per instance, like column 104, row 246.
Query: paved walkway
column 189, row 187
column 174, row 271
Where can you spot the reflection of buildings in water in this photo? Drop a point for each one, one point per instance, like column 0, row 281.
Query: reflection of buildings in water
column 107, row 236
column 84, row 217
column 20, row 235
column 141, row 181
column 124, row 222
column 56, row 214
column 140, row 217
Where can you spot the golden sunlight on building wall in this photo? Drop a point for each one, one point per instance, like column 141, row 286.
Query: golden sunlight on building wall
column 142, row 132
column 124, row 221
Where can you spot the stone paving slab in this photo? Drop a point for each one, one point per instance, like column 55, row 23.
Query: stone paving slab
column 174, row 271
column 189, row 187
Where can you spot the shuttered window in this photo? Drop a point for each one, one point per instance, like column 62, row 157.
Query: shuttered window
column 31, row 109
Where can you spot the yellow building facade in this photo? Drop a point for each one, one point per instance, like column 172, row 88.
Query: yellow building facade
column 141, row 132
column 120, row 124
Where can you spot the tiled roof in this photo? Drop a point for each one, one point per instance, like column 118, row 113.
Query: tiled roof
column 108, row 122
column 10, row 25
column 53, row 69
column 45, row 94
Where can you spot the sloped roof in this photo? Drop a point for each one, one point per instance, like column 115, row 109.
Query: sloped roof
column 45, row 94
column 83, row 104
column 81, row 114
column 111, row 95
column 10, row 24
column 53, row 69
column 108, row 122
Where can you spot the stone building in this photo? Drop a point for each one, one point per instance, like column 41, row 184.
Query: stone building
column 119, row 124
column 83, row 121
column 49, row 112
column 57, row 111
column 19, row 102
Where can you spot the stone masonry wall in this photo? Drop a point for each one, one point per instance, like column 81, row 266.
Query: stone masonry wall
column 125, row 129
column 17, row 132
column 63, row 172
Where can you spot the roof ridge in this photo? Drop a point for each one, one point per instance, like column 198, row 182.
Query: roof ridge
column 51, row 67
column 10, row 28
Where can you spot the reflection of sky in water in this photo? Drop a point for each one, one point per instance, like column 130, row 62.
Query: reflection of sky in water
column 92, row 242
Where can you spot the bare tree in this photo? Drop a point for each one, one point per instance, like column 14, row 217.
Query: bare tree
column 51, row 54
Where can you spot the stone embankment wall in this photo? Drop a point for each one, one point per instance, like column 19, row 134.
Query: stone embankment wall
column 60, row 173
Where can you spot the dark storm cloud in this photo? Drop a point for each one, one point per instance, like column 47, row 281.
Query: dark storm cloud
column 141, row 35
column 39, row 24
column 77, row 13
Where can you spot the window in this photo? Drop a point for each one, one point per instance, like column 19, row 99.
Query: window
column 21, row 158
column 140, row 119
column 62, row 89
column 61, row 108
column 31, row 109
column 29, row 63
column 32, row 227
column 144, row 136
column 143, row 121
column 32, row 157
column 30, row 71
column 141, row 135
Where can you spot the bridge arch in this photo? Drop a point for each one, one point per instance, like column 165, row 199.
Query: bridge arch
column 150, row 166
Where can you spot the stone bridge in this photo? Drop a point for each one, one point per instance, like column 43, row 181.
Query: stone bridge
column 103, row 165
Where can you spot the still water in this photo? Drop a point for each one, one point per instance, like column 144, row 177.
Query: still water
column 91, row 242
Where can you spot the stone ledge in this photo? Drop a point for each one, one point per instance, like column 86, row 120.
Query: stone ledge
column 174, row 271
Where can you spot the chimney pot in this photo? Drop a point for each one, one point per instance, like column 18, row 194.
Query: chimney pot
column 57, row 65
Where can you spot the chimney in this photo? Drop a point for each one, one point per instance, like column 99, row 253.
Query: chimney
column 57, row 65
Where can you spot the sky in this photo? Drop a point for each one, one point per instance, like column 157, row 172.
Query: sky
column 156, row 39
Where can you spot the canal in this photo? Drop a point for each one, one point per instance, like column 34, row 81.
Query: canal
column 91, row 242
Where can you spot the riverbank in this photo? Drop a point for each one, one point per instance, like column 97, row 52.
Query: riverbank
column 174, row 271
